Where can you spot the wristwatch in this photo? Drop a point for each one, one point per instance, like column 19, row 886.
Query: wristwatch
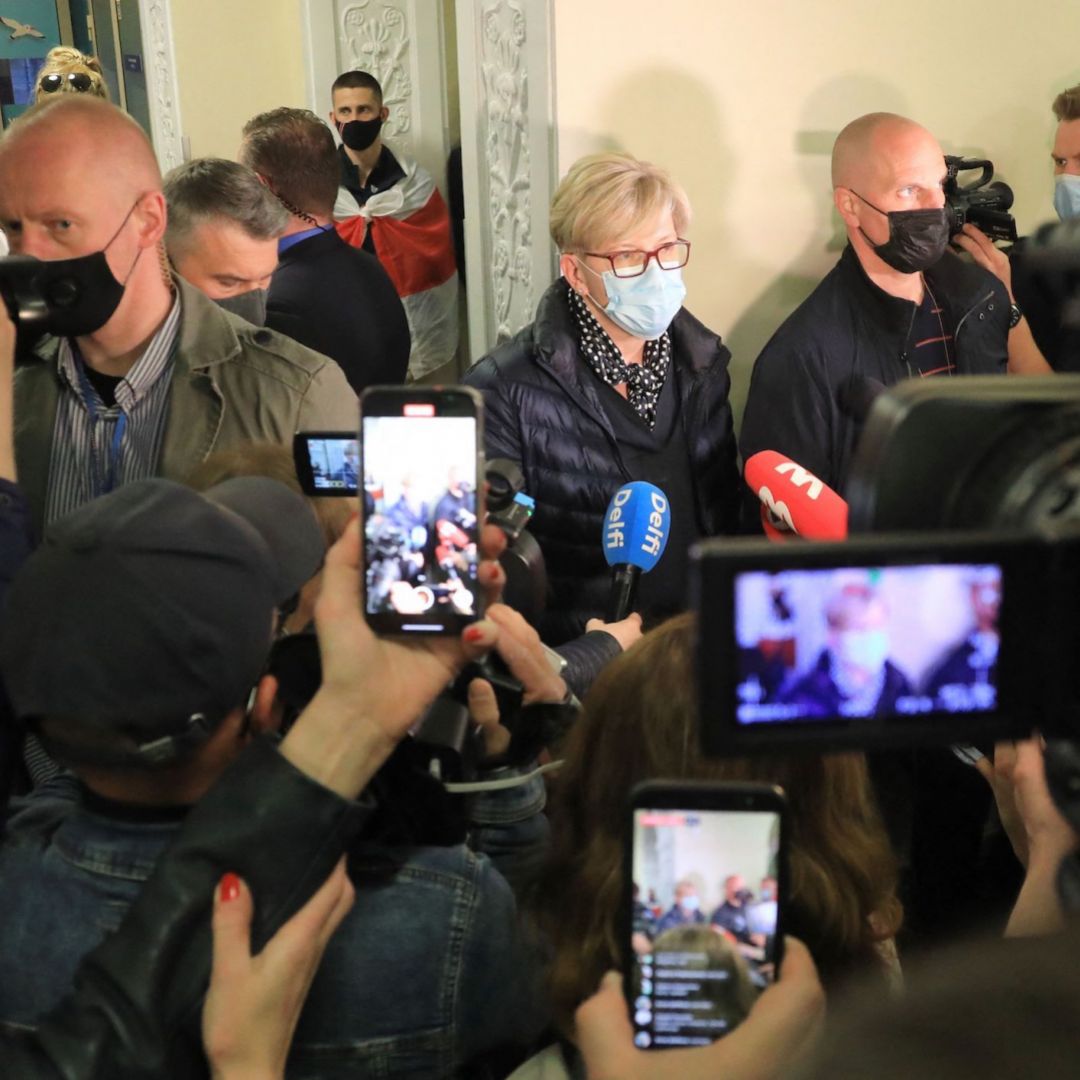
column 1015, row 314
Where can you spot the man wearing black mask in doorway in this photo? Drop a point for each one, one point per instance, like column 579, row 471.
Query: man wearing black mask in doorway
column 897, row 305
column 388, row 204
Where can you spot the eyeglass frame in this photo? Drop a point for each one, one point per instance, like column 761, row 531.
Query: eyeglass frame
column 655, row 254
column 70, row 77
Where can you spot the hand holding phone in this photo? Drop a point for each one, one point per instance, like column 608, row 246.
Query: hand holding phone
column 702, row 919
column 421, row 507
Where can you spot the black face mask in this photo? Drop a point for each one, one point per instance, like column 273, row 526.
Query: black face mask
column 250, row 305
column 65, row 297
column 917, row 238
column 360, row 134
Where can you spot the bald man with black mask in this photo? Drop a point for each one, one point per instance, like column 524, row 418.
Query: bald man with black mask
column 899, row 304
column 144, row 376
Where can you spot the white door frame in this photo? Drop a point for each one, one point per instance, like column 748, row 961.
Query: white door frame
column 159, row 67
column 509, row 163
column 509, row 160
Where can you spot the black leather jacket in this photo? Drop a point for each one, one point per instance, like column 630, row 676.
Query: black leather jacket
column 543, row 411
column 135, row 1010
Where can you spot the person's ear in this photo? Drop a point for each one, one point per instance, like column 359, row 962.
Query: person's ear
column 384, row 114
column 846, row 205
column 265, row 709
column 570, row 269
column 151, row 215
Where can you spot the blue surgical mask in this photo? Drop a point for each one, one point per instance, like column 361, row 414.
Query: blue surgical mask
column 644, row 305
column 688, row 903
column 1067, row 196
column 866, row 649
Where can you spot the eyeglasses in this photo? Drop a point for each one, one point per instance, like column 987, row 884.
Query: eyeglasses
column 627, row 264
column 78, row 80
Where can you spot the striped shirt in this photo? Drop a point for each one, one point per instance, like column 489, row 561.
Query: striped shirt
column 95, row 447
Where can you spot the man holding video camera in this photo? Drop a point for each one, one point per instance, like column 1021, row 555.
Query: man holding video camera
column 897, row 305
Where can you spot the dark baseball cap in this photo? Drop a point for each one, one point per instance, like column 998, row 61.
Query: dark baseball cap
column 148, row 614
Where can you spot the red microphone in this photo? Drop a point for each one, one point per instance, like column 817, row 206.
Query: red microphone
column 794, row 501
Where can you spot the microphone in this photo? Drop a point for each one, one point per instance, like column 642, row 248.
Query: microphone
column 636, row 529
column 794, row 500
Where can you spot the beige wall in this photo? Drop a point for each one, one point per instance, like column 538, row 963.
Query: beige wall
column 234, row 58
column 742, row 102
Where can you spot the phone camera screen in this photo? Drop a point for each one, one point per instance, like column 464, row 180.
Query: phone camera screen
column 703, row 921
column 335, row 464
column 867, row 642
column 420, row 518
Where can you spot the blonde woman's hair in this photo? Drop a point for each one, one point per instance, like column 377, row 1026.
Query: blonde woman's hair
column 604, row 196
column 63, row 60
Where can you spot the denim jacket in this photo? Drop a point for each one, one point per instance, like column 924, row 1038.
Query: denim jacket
column 428, row 972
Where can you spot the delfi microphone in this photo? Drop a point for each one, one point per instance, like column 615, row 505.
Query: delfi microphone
column 636, row 530
column 794, row 500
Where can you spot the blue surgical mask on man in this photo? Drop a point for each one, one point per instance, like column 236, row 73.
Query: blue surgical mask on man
column 1067, row 196
column 644, row 305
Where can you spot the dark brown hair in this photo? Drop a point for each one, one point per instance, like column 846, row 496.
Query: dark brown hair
column 357, row 80
column 1067, row 104
column 293, row 150
column 639, row 723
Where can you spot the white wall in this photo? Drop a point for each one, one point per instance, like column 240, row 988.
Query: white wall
column 234, row 59
column 742, row 102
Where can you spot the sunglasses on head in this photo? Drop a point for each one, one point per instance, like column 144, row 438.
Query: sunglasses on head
column 78, row 80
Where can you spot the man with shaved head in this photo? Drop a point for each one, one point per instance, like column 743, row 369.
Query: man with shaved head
column 143, row 375
column 899, row 304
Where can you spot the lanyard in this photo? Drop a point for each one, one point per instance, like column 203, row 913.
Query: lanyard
column 105, row 478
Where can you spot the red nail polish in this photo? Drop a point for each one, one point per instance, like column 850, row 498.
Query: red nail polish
column 230, row 887
column 473, row 633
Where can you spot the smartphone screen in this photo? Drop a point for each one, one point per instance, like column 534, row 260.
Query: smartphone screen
column 421, row 508
column 328, row 464
column 704, row 919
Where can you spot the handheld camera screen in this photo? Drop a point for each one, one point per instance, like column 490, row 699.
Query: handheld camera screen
column 420, row 518
column 704, row 921
column 819, row 644
column 334, row 465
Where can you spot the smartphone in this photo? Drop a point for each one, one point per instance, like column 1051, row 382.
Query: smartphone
column 702, row 924
column 327, row 462
column 421, row 461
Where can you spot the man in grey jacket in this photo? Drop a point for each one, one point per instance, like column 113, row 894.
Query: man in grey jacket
column 145, row 376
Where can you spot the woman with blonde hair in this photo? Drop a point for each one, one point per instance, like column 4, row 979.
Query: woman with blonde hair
column 68, row 71
column 614, row 381
column 640, row 722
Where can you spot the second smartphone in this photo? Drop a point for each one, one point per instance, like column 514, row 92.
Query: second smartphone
column 421, row 506
column 703, row 908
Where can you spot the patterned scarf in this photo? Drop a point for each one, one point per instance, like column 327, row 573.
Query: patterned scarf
column 644, row 381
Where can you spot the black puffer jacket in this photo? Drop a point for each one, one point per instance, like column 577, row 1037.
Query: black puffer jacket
column 543, row 411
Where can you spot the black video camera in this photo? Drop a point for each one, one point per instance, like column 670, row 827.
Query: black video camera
column 957, row 592
column 984, row 202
